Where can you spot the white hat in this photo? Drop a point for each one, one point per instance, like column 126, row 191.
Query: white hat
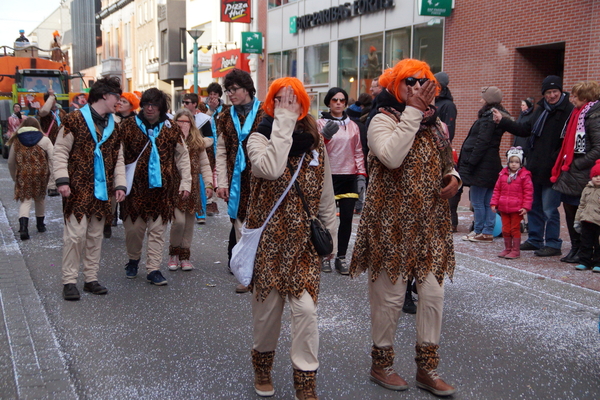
column 514, row 152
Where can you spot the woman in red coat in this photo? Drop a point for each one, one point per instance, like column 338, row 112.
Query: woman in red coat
column 512, row 196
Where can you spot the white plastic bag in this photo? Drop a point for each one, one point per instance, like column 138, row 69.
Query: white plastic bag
column 244, row 253
column 129, row 174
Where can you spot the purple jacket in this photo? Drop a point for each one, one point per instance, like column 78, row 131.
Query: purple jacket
column 511, row 197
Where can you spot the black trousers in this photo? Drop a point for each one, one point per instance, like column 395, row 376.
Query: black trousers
column 589, row 250
column 570, row 211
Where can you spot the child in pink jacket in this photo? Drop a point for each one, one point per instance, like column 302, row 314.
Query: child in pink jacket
column 513, row 195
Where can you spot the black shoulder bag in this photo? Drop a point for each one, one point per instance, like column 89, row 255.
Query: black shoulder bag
column 319, row 234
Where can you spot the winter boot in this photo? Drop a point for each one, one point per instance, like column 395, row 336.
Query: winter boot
column 382, row 369
column 305, row 383
column 427, row 361
column 263, row 364
column 24, row 228
column 41, row 227
column 515, row 252
column 508, row 244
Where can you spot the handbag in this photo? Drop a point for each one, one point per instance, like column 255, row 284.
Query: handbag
column 319, row 234
column 130, row 171
column 244, row 252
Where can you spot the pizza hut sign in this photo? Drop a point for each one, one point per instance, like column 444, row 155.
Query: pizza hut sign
column 224, row 62
column 235, row 11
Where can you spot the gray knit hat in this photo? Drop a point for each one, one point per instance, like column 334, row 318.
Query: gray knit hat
column 442, row 78
column 491, row 95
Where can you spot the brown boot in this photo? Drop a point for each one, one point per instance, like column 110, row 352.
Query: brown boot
column 305, row 383
column 263, row 363
column 508, row 244
column 382, row 369
column 427, row 377
column 516, row 252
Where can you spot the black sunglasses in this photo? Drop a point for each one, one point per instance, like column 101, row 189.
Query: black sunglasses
column 186, row 102
column 410, row 81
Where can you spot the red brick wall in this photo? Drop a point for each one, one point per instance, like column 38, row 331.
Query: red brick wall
column 481, row 41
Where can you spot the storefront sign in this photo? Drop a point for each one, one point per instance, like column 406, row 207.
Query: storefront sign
column 224, row 62
column 235, row 11
column 436, row 8
column 339, row 13
column 252, row 42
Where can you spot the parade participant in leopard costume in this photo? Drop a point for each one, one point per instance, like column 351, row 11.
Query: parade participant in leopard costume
column 233, row 166
column 89, row 169
column 157, row 145
column 30, row 166
column 405, row 228
column 182, row 227
column 51, row 116
column 287, row 265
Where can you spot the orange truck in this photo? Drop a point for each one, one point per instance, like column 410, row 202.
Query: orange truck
column 25, row 78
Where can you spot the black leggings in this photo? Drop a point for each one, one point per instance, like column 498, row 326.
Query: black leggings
column 345, row 230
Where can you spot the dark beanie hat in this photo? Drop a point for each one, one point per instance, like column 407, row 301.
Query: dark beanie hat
column 442, row 78
column 332, row 92
column 552, row 82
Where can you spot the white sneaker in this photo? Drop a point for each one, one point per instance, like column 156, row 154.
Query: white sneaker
column 469, row 236
column 186, row 265
column 173, row 263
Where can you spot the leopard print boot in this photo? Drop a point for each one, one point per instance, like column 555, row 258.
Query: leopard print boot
column 427, row 360
column 382, row 369
column 263, row 364
column 305, row 383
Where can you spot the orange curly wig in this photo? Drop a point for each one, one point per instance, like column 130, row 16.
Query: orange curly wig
column 299, row 91
column 392, row 78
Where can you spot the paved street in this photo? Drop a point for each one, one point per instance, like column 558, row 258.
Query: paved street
column 508, row 333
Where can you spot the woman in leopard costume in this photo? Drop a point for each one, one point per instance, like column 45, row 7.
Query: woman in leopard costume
column 286, row 264
column 405, row 229
column 182, row 227
column 30, row 166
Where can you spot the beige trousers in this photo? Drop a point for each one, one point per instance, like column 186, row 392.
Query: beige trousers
column 386, row 301
column 134, row 240
column 266, row 319
column 182, row 229
column 81, row 240
column 40, row 207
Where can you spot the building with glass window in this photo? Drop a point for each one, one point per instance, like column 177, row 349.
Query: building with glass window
column 347, row 43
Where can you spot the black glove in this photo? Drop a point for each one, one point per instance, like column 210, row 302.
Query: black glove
column 330, row 129
column 18, row 114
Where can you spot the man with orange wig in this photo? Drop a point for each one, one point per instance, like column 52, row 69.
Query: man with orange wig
column 405, row 229
column 287, row 265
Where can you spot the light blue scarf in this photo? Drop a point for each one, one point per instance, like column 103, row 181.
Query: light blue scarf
column 56, row 117
column 213, row 126
column 154, row 175
column 240, row 159
column 100, row 189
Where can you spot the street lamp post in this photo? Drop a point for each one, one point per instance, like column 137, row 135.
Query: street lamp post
column 195, row 34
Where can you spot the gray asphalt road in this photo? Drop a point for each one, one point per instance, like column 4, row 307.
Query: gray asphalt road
column 507, row 334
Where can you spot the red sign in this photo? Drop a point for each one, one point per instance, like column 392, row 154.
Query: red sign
column 224, row 62
column 235, row 11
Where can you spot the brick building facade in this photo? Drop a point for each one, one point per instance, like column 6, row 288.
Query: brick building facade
column 514, row 45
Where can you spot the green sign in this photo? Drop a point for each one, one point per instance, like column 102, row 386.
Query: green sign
column 293, row 26
column 436, row 8
column 252, row 42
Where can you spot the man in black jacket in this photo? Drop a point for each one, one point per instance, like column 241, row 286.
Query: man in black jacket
column 544, row 130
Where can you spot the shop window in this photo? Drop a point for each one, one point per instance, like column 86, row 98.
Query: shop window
column 316, row 64
column 273, row 67
column 348, row 66
column 289, row 64
column 277, row 3
column 371, row 55
column 397, row 46
column 428, row 43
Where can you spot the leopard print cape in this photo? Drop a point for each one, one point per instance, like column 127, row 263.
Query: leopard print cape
column 81, row 169
column 46, row 122
column 286, row 259
column 193, row 203
column 143, row 202
column 405, row 226
column 33, row 171
column 228, row 133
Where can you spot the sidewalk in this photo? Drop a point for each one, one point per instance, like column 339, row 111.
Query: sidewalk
column 549, row 267
column 34, row 366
